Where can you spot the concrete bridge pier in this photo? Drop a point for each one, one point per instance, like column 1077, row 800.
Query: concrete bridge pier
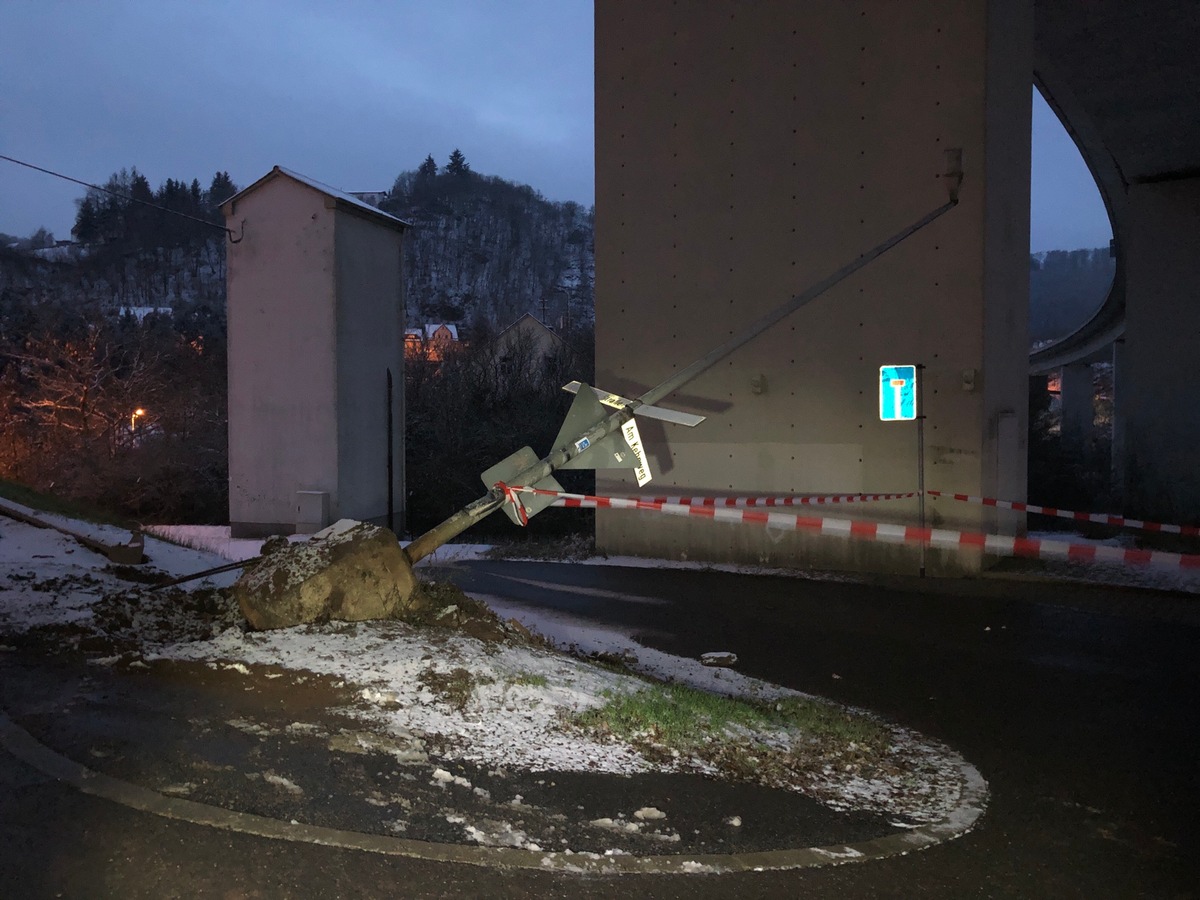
column 1077, row 395
column 745, row 151
column 1118, row 421
column 1161, row 389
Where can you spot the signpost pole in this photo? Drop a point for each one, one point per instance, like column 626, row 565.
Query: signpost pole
column 921, row 460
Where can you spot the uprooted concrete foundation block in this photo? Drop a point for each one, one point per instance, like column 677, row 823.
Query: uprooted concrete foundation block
column 351, row 571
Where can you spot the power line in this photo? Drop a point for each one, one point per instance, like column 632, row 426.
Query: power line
column 105, row 190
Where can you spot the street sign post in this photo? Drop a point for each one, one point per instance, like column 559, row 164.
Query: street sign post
column 899, row 401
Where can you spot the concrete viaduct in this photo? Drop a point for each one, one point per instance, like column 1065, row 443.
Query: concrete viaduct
column 747, row 149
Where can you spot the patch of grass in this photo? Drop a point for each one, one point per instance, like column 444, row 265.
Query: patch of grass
column 528, row 679
column 826, row 721
column 27, row 496
column 669, row 719
column 676, row 716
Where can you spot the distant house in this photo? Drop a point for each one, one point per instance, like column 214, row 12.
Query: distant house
column 431, row 342
column 526, row 343
column 140, row 312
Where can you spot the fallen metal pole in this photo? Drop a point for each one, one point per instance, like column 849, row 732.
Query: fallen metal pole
column 130, row 553
column 496, row 498
column 227, row 567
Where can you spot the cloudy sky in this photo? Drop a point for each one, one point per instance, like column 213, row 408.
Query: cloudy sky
column 351, row 92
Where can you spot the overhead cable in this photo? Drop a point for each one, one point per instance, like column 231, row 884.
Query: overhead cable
column 96, row 187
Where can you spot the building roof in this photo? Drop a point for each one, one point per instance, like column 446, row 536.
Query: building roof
column 427, row 332
column 538, row 324
column 343, row 199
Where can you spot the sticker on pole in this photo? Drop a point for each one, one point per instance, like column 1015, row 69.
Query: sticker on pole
column 641, row 471
column 897, row 393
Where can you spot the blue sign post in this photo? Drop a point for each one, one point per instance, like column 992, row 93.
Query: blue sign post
column 899, row 393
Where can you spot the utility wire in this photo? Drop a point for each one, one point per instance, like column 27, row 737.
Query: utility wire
column 105, row 190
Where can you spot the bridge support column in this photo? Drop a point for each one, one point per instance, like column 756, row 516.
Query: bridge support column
column 1161, row 391
column 744, row 152
column 1118, row 420
column 1077, row 395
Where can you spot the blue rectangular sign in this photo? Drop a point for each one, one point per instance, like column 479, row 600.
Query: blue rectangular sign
column 897, row 393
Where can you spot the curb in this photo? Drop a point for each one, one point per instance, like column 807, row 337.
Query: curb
column 23, row 746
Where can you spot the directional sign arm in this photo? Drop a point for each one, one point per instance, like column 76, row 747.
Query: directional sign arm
column 616, row 401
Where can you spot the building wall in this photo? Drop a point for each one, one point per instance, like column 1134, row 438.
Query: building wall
column 282, row 398
column 529, row 335
column 746, row 151
column 370, row 328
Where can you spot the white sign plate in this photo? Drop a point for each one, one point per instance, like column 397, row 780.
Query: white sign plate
column 634, row 440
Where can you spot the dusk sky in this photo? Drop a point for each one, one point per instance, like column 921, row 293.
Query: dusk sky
column 350, row 92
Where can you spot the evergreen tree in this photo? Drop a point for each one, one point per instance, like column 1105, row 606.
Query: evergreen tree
column 86, row 228
column 221, row 189
column 457, row 167
column 142, row 221
column 424, row 182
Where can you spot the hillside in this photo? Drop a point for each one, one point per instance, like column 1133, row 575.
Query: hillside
column 483, row 251
column 1065, row 288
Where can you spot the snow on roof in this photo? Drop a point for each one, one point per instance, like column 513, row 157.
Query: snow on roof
column 532, row 318
column 426, row 332
column 324, row 188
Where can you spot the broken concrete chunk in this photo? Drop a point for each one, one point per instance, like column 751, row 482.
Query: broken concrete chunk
column 351, row 574
column 649, row 813
column 722, row 659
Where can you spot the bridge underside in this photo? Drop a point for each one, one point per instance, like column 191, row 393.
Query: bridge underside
column 1124, row 78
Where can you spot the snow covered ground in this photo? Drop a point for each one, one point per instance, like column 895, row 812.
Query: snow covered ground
column 520, row 694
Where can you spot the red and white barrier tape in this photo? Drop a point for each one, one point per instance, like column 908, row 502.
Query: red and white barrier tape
column 820, row 500
column 739, row 502
column 510, row 496
column 1098, row 518
column 999, row 545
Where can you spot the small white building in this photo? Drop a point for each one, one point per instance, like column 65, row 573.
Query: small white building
column 316, row 328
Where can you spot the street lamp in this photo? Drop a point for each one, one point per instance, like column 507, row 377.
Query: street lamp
column 137, row 413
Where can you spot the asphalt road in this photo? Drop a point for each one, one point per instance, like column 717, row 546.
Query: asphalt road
column 1078, row 705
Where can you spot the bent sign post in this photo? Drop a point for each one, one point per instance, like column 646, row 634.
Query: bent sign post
column 593, row 437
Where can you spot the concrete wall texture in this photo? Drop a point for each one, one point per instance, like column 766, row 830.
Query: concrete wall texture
column 315, row 317
column 747, row 150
